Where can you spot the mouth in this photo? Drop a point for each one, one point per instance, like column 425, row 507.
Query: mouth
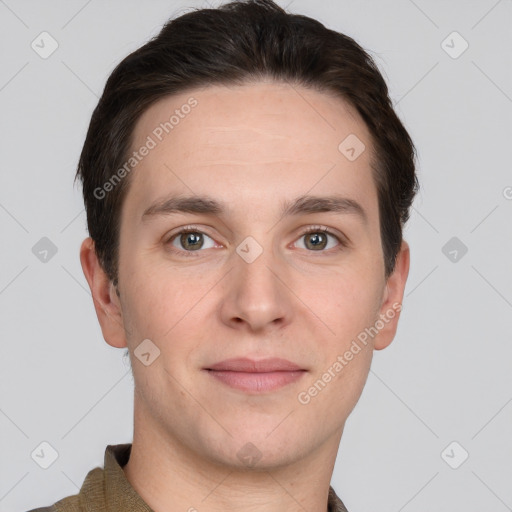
column 255, row 377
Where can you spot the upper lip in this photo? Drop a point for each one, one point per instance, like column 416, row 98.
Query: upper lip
column 255, row 366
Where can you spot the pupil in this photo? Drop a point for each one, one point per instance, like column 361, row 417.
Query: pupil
column 317, row 240
column 191, row 240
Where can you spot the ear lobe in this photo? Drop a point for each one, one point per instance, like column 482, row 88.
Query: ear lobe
column 105, row 299
column 392, row 300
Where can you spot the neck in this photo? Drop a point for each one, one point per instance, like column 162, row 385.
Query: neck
column 171, row 477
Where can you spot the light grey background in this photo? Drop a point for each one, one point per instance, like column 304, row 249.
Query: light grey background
column 446, row 377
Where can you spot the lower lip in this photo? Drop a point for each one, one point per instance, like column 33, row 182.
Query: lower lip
column 256, row 382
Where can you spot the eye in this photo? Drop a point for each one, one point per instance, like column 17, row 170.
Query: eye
column 317, row 239
column 190, row 240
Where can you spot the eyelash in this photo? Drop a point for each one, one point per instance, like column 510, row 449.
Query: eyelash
column 194, row 229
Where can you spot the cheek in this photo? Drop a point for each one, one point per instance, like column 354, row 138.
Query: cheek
column 165, row 306
column 151, row 303
column 346, row 302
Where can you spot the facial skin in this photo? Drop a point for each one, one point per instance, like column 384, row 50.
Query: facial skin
column 251, row 148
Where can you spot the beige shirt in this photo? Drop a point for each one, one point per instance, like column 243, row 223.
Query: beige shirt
column 108, row 490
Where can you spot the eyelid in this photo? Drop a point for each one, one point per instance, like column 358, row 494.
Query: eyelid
column 189, row 228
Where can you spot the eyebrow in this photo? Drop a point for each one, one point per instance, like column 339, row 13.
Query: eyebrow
column 302, row 205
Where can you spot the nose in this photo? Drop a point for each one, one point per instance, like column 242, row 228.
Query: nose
column 256, row 296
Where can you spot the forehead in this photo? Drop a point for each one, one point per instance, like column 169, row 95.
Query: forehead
column 274, row 139
column 251, row 113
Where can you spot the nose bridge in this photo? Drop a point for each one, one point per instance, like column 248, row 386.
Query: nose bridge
column 256, row 295
column 253, row 266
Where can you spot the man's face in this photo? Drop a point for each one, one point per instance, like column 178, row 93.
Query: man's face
column 248, row 281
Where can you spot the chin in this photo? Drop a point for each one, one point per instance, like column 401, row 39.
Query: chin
column 256, row 449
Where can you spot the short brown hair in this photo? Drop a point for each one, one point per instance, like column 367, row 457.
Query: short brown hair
column 238, row 43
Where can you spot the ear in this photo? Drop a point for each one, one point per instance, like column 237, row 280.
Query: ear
column 104, row 296
column 392, row 299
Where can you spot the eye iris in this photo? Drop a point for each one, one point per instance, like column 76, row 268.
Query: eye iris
column 318, row 241
column 191, row 241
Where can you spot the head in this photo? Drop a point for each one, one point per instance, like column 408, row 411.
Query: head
column 271, row 140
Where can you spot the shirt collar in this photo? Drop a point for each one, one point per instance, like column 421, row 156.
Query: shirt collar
column 119, row 494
